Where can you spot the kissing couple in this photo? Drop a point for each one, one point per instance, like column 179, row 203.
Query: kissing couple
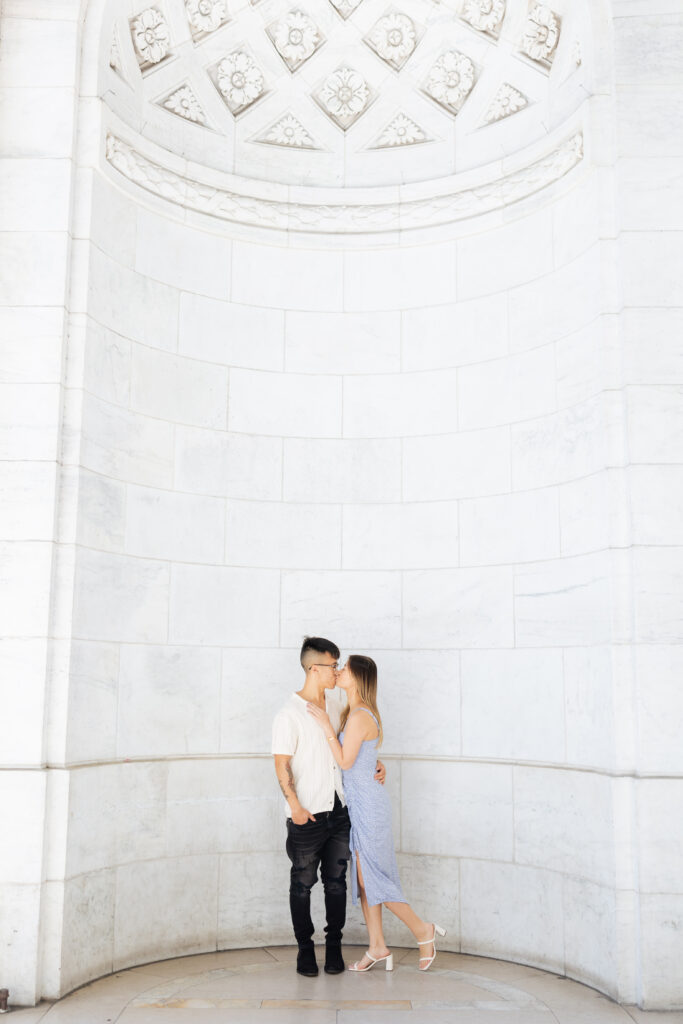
column 337, row 809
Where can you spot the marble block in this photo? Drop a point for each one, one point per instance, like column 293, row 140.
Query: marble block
column 323, row 342
column 345, row 470
column 165, row 908
column 519, row 527
column 176, row 527
column 464, row 465
column 164, row 697
column 360, row 609
column 287, row 535
column 93, row 701
column 255, row 683
column 458, row 608
column 21, row 841
column 232, row 465
column 196, row 261
column 512, row 912
column 214, row 605
column 231, row 334
column 401, row 405
column 563, row 603
column 412, row 535
column 513, row 705
column 457, row 810
column 178, row 389
column 120, row 598
column 563, row 822
column 399, row 278
column 410, row 684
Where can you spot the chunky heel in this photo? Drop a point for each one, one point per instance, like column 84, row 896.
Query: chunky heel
column 438, row 930
column 390, row 962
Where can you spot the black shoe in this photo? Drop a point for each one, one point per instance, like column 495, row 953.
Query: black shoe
column 306, row 964
column 334, row 963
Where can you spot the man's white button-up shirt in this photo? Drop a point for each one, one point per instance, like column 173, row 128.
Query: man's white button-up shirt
column 317, row 775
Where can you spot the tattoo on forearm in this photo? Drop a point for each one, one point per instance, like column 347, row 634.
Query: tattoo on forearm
column 287, row 786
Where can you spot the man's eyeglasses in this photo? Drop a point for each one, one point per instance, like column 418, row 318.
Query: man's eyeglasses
column 326, row 664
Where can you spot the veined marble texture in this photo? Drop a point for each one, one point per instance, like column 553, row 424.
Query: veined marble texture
column 272, row 368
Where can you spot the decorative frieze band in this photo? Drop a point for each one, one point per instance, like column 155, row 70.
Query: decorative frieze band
column 349, row 217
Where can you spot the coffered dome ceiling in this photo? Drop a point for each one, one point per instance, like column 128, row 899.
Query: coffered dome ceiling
column 345, row 92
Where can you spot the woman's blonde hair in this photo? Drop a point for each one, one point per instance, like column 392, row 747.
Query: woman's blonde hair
column 364, row 672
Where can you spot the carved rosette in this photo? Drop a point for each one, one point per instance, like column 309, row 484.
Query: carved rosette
column 451, row 80
column 541, row 35
column 401, row 131
column 393, row 38
column 151, row 37
column 507, row 101
column 344, row 96
column 345, row 8
column 206, row 15
column 184, row 103
column 485, row 15
column 288, row 131
column 296, row 38
column 240, row 81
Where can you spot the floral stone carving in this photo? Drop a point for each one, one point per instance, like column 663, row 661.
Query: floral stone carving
column 344, row 96
column 296, row 38
column 206, row 15
column 288, row 131
column 446, row 207
column 541, row 34
column 184, row 103
column 151, row 36
column 507, row 101
column 393, row 38
column 451, row 79
column 401, row 131
column 345, row 7
column 240, row 80
column 486, row 15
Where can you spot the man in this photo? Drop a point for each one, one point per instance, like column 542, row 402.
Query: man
column 317, row 819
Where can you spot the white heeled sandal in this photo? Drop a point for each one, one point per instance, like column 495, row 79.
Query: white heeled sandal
column 428, row 942
column 388, row 960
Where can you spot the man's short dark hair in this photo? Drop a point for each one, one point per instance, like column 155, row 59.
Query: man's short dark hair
column 318, row 644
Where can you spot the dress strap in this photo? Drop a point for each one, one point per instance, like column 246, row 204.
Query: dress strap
column 369, row 712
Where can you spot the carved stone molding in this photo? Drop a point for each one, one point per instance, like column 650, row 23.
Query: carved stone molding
column 151, row 37
column 506, row 102
column 206, row 16
column 240, row 81
column 344, row 96
column 393, row 38
column 296, row 37
column 289, row 132
column 447, row 206
column 401, row 131
column 185, row 104
column 541, row 35
column 451, row 80
column 484, row 15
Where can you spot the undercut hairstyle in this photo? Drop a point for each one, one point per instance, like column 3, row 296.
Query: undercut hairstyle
column 319, row 645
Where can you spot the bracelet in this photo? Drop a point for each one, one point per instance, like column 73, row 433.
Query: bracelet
column 331, row 738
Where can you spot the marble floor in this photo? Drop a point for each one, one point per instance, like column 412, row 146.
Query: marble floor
column 260, row 986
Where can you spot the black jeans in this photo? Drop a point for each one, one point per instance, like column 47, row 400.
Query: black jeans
column 323, row 842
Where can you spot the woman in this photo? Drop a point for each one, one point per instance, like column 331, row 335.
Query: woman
column 373, row 861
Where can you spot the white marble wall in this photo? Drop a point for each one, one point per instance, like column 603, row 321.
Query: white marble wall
column 460, row 454
column 246, row 476
column 650, row 253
